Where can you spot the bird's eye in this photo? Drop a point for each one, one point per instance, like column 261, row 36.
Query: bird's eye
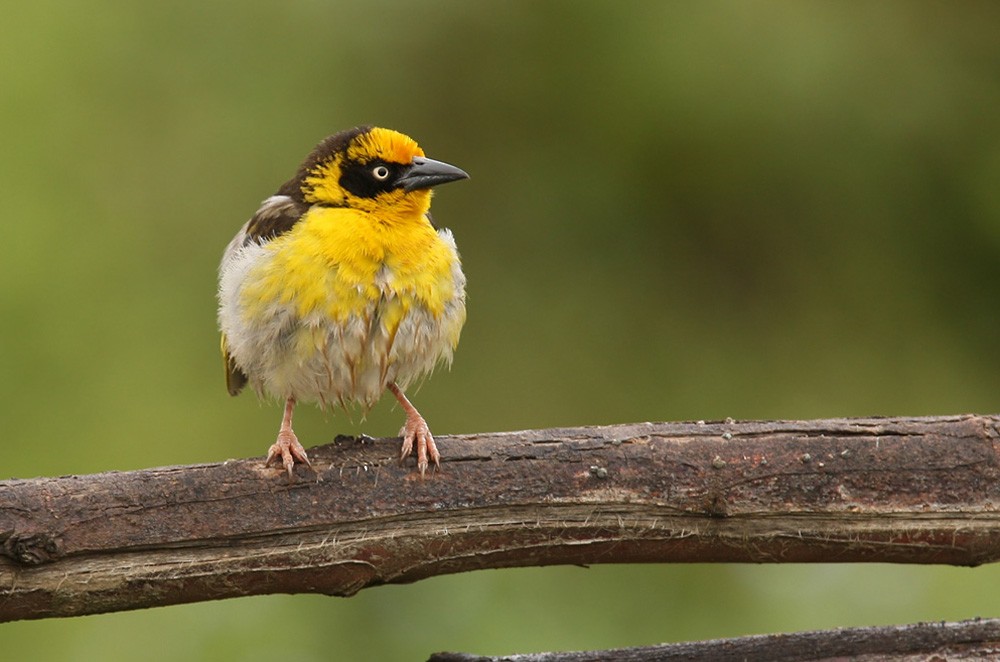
column 380, row 172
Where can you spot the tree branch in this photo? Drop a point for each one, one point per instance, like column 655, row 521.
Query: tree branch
column 909, row 490
column 968, row 640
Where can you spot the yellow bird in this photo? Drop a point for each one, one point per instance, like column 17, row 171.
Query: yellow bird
column 340, row 287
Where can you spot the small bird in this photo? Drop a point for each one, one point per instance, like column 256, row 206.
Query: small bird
column 340, row 286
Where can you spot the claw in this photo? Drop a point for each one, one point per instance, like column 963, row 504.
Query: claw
column 416, row 432
column 287, row 447
column 288, row 451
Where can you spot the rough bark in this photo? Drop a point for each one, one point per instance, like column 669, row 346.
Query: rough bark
column 930, row 642
column 907, row 490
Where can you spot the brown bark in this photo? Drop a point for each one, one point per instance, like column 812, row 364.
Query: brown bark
column 930, row 642
column 911, row 490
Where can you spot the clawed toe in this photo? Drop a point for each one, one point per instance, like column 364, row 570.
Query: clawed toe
column 416, row 433
column 287, row 450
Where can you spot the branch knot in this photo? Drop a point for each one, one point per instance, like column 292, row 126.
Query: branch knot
column 31, row 548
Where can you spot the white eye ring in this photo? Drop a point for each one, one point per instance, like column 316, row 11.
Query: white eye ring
column 380, row 172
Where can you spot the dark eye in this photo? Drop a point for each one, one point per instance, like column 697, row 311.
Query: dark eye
column 380, row 172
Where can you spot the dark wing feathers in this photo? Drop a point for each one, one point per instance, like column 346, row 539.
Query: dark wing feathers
column 236, row 379
column 276, row 216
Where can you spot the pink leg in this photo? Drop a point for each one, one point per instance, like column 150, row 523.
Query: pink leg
column 287, row 447
column 415, row 430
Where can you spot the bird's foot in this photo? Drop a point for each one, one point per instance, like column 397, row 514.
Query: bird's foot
column 288, row 451
column 416, row 432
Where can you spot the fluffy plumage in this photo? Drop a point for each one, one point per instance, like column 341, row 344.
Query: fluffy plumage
column 339, row 287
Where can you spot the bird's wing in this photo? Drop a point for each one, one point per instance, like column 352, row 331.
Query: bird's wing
column 276, row 215
column 236, row 379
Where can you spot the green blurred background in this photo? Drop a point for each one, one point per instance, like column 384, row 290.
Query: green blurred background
column 677, row 211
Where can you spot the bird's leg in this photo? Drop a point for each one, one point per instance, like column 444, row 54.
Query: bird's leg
column 287, row 447
column 415, row 430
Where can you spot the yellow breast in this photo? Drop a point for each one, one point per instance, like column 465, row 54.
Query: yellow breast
column 338, row 260
column 345, row 303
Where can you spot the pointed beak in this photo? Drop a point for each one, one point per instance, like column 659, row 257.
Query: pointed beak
column 425, row 173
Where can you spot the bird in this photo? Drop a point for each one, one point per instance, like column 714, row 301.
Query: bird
column 340, row 287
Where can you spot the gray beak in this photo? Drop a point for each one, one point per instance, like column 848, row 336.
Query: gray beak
column 425, row 173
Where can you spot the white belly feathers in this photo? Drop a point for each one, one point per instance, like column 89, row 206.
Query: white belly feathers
column 317, row 359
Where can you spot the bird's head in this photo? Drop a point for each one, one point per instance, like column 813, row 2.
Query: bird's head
column 371, row 169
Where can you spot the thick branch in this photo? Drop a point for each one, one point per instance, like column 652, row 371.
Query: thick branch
column 894, row 490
